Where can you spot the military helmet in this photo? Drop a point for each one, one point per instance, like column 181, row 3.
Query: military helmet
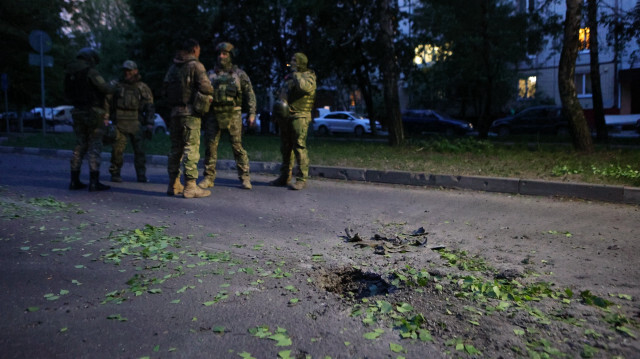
column 301, row 60
column 281, row 108
column 228, row 47
column 129, row 65
column 88, row 54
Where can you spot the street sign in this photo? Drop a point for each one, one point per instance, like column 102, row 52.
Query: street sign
column 40, row 41
column 34, row 60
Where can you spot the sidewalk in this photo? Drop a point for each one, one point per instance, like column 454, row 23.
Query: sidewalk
column 606, row 193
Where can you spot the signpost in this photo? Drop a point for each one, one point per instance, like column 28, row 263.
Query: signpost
column 41, row 42
column 5, row 88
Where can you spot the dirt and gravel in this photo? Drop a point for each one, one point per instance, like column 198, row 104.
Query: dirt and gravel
column 339, row 270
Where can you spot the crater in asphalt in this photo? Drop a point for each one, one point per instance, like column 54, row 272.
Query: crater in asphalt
column 351, row 282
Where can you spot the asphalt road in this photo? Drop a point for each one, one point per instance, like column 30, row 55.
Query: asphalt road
column 236, row 273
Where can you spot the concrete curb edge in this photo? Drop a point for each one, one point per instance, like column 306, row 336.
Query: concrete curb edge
column 528, row 187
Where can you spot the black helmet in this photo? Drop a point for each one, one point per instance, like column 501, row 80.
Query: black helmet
column 228, row 47
column 89, row 55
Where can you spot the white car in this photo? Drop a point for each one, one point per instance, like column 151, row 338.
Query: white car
column 343, row 121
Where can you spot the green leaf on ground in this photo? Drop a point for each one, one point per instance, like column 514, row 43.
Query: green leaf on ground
column 396, row 348
column 281, row 338
column 117, row 317
column 404, row 308
column 626, row 331
column 33, row 309
column 374, row 334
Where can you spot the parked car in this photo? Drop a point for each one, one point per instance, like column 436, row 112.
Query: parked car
column 343, row 121
column 537, row 119
column 419, row 121
column 159, row 126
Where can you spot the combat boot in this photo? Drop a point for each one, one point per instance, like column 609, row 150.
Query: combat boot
column 75, row 181
column 141, row 176
column 94, row 182
column 207, row 182
column 175, row 187
column 246, row 183
column 115, row 177
column 281, row 181
column 298, row 185
column 191, row 190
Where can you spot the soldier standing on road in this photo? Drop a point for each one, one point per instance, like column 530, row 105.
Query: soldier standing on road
column 188, row 92
column 293, row 115
column 232, row 93
column 133, row 116
column 87, row 91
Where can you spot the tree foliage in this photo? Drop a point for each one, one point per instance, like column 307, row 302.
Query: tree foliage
column 480, row 44
column 17, row 20
column 108, row 27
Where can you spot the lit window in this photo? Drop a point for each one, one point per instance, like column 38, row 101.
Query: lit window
column 583, row 37
column 583, row 85
column 527, row 87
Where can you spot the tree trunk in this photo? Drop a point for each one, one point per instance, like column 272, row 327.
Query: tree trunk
column 598, row 108
column 566, row 73
column 390, row 73
column 364, row 83
column 484, row 121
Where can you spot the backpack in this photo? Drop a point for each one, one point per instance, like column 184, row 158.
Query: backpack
column 77, row 89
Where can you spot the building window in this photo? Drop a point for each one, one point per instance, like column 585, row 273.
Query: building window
column 583, row 85
column 527, row 87
column 583, row 36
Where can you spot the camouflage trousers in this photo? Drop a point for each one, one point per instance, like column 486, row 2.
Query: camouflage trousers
column 89, row 129
column 117, row 152
column 185, row 146
column 213, row 127
column 293, row 143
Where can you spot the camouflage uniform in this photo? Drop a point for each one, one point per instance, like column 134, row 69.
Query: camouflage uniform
column 232, row 93
column 133, row 108
column 299, row 91
column 185, row 79
column 87, row 91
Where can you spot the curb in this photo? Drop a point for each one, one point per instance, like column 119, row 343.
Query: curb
column 527, row 187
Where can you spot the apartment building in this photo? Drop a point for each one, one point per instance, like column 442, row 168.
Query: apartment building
column 619, row 70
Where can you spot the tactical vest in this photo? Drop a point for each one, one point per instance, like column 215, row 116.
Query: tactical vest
column 227, row 89
column 78, row 90
column 127, row 102
column 179, row 84
column 301, row 102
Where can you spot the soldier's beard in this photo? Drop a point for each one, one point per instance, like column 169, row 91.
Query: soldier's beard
column 225, row 64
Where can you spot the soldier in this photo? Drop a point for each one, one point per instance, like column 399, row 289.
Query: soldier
column 188, row 92
column 133, row 114
column 87, row 91
column 293, row 115
column 232, row 93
